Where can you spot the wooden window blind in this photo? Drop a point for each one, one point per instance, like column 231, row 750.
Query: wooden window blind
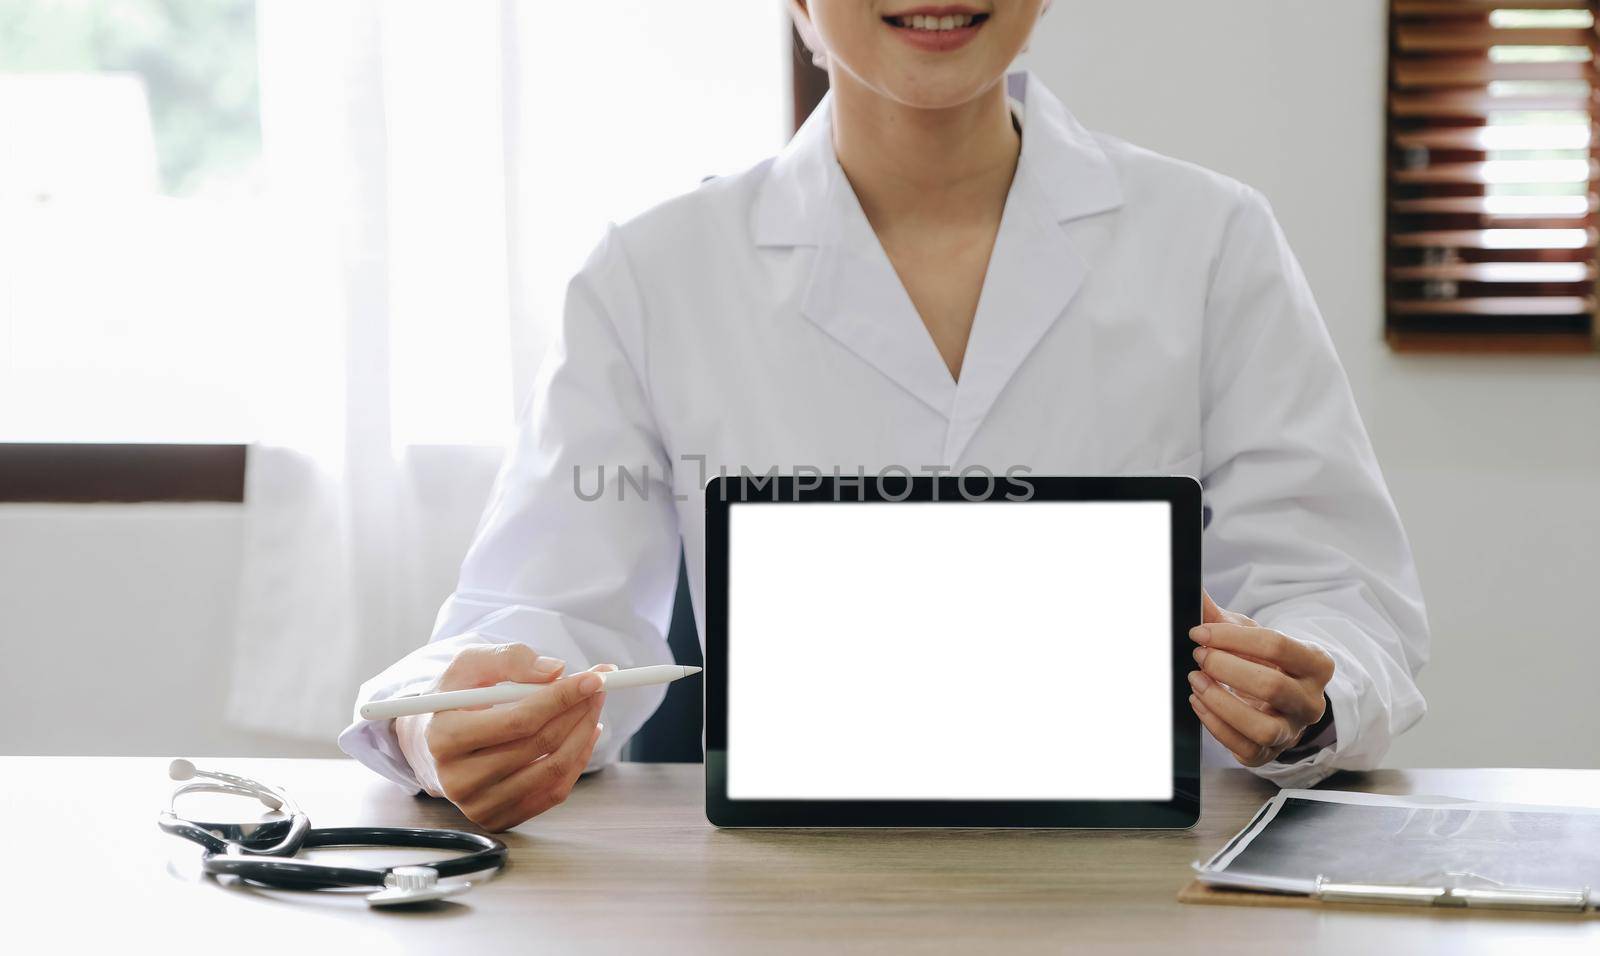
column 1492, row 172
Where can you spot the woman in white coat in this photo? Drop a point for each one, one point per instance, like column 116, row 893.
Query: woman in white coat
column 943, row 270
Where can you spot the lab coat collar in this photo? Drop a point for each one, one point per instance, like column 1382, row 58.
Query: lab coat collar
column 1076, row 177
column 855, row 296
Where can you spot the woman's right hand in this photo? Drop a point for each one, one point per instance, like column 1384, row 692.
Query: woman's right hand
column 506, row 764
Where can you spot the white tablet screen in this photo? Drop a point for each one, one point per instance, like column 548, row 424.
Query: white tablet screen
column 950, row 651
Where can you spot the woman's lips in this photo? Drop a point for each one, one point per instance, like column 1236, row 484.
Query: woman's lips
column 937, row 29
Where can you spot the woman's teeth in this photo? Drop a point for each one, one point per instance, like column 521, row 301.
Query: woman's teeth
column 920, row 22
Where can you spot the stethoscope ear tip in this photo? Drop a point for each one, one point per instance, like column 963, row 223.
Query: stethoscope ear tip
column 181, row 769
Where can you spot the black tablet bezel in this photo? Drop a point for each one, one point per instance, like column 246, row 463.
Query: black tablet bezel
column 1180, row 812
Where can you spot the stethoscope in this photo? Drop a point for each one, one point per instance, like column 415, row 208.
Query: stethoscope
column 263, row 852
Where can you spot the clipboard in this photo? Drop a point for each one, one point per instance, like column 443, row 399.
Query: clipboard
column 1389, row 853
column 1381, row 898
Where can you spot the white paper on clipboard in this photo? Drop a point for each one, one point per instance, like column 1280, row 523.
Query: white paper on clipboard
column 1301, row 835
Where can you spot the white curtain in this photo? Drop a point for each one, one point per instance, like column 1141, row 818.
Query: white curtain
column 413, row 152
column 386, row 386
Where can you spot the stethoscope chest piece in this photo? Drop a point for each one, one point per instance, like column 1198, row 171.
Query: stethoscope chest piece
column 405, row 885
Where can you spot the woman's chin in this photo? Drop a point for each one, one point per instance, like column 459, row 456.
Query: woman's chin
column 932, row 87
column 941, row 93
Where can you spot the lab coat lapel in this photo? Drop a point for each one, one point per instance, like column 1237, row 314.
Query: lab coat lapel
column 853, row 293
column 856, row 297
column 1034, row 271
column 1036, row 268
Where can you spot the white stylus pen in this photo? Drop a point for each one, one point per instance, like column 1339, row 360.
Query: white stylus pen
column 508, row 692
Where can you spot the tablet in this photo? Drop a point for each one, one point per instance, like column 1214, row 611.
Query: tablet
column 900, row 651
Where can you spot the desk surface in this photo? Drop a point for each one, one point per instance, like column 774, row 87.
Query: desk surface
column 630, row 863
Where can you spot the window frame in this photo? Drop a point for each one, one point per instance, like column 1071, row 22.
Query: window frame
column 808, row 82
column 66, row 472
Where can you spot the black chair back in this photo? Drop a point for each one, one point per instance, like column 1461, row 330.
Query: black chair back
column 673, row 732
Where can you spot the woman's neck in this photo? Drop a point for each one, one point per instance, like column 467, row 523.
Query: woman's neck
column 920, row 165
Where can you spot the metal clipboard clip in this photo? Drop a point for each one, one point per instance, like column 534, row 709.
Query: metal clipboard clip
column 1449, row 891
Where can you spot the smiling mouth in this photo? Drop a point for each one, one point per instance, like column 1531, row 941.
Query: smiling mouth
column 936, row 24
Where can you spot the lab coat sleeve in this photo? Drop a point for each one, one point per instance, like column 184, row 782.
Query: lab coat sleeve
column 577, row 552
column 1304, row 537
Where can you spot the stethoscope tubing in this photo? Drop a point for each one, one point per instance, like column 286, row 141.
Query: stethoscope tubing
column 486, row 853
column 264, row 852
column 273, row 838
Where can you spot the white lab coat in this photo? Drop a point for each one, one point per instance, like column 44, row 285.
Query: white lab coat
column 1140, row 315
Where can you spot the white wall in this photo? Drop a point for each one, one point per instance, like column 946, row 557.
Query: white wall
column 116, row 622
column 135, row 604
column 1494, row 462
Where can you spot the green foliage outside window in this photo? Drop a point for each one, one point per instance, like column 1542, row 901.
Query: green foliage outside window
column 197, row 59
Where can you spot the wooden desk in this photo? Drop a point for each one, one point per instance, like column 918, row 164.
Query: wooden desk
column 630, row 864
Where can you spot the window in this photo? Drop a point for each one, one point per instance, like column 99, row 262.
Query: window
column 130, row 146
column 235, row 221
column 1491, row 221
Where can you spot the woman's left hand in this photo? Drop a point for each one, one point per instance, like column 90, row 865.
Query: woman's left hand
column 1257, row 689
